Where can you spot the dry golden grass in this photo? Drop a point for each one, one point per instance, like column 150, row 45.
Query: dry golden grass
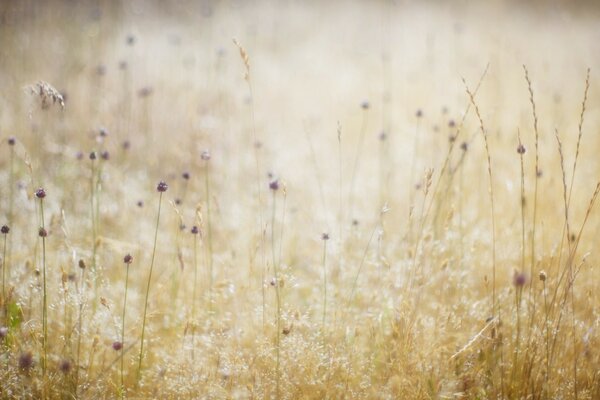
column 391, row 200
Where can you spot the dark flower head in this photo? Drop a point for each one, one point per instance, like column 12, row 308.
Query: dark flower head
column 140, row 203
column 451, row 124
column 274, row 185
column 325, row 236
column 464, row 146
column 128, row 259
column 178, row 201
column 186, row 175
column 93, row 155
column 521, row 149
column 43, row 232
column 26, row 360
column 195, row 230
column 3, row 332
column 101, row 70
column 5, row 229
column 65, row 366
column 12, row 141
column 105, row 155
column 365, row 105
column 81, row 264
column 543, row 276
column 117, row 346
column 103, row 132
column 162, row 186
column 40, row 193
column 205, row 155
column 126, row 145
column 519, row 279
column 419, row 113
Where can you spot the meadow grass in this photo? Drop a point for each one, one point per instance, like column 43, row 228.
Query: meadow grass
column 287, row 266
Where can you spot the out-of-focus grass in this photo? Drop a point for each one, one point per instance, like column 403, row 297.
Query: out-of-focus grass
column 359, row 113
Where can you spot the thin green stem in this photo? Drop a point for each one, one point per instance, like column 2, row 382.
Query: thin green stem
column 324, row 284
column 79, row 328
column 123, row 332
column 148, row 289
column 93, row 215
column 4, row 302
column 194, row 295
column 278, row 296
column 45, row 297
column 209, row 234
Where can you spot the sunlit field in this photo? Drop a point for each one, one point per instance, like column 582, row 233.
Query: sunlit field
column 299, row 200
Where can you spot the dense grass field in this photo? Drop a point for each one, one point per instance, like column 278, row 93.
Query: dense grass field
column 299, row 200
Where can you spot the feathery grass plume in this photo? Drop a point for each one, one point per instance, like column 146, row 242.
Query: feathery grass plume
column 495, row 309
column 446, row 166
column 535, row 189
column 47, row 94
column 255, row 144
column 160, row 188
column 491, row 191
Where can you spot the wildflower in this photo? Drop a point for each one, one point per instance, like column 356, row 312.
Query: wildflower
column 26, row 360
column 162, row 186
column 519, row 279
